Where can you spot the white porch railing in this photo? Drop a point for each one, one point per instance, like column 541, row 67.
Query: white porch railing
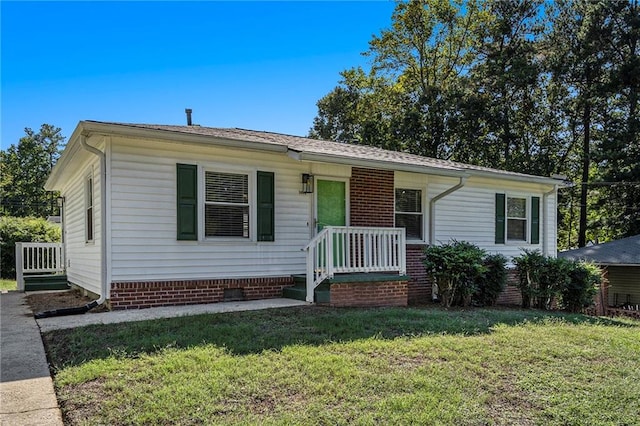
column 351, row 249
column 38, row 258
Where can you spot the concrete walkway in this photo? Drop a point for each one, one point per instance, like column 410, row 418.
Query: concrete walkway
column 113, row 317
column 26, row 389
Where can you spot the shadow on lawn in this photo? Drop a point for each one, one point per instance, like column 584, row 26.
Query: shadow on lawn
column 256, row 331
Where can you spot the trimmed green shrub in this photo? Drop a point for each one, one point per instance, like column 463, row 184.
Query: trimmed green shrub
column 492, row 281
column 581, row 287
column 530, row 267
column 455, row 267
column 22, row 229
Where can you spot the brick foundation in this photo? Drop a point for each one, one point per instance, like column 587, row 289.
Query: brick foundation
column 511, row 294
column 369, row 294
column 136, row 295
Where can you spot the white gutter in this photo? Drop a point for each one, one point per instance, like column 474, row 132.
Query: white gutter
column 104, row 290
column 432, row 207
column 381, row 164
column 545, row 235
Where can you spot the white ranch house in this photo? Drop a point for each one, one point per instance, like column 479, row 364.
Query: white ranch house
column 164, row 215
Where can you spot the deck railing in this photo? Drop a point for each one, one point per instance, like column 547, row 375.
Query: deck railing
column 38, row 258
column 351, row 249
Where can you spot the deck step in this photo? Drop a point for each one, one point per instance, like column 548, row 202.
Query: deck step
column 45, row 282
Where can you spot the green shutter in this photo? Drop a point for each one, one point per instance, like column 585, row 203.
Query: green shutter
column 265, row 208
column 535, row 220
column 500, row 224
column 187, row 201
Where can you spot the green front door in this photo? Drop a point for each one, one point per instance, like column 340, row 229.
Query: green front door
column 331, row 203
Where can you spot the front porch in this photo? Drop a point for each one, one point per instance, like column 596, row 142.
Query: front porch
column 40, row 266
column 354, row 266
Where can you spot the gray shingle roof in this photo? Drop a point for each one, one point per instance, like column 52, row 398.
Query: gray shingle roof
column 334, row 149
column 620, row 252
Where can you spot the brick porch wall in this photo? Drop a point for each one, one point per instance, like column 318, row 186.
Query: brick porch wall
column 419, row 287
column 136, row 295
column 384, row 293
column 371, row 197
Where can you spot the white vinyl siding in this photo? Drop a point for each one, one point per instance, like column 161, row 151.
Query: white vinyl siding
column 468, row 214
column 82, row 259
column 143, row 215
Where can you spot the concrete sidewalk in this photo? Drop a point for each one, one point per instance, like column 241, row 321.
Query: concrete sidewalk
column 26, row 389
column 113, row 317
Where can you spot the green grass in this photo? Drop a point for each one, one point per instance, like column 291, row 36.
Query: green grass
column 6, row 284
column 316, row 365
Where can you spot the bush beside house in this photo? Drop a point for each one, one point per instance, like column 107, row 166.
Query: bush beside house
column 465, row 273
column 22, row 229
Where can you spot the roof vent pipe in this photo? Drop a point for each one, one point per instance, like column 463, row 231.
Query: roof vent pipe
column 188, row 111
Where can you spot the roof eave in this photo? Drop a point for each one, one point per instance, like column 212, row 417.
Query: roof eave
column 176, row 136
column 382, row 164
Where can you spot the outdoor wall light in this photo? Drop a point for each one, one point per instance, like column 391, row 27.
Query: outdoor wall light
column 307, row 183
column 60, row 201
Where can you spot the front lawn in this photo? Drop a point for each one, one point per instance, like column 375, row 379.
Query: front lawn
column 315, row 365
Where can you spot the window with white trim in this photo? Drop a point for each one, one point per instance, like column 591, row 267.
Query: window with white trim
column 516, row 219
column 408, row 212
column 89, row 223
column 226, row 205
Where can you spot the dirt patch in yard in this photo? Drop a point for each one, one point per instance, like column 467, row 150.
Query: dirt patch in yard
column 40, row 302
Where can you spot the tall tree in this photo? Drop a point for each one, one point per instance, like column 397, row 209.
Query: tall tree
column 406, row 100
column 24, row 169
column 619, row 152
column 578, row 56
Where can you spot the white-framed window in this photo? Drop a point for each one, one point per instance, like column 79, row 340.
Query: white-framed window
column 226, row 204
column 89, row 214
column 409, row 213
column 517, row 219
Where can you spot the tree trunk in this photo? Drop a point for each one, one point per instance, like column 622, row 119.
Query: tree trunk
column 586, row 161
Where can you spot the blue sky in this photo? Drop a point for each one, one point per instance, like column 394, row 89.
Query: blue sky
column 256, row 65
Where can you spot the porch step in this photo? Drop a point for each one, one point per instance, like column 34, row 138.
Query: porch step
column 299, row 290
column 45, row 282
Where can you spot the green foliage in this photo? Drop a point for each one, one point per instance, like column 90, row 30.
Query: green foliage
column 529, row 86
column 455, row 267
column 22, row 229
column 530, row 266
column 492, row 281
column 545, row 280
column 582, row 285
column 24, row 169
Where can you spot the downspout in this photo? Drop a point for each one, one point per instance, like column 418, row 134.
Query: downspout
column 103, row 217
column 103, row 241
column 432, row 207
column 432, row 222
column 545, row 207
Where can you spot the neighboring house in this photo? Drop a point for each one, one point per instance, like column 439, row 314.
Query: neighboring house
column 621, row 261
column 164, row 215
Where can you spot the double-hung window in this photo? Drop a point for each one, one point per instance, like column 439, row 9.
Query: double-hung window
column 88, row 191
column 226, row 206
column 212, row 203
column 408, row 212
column 517, row 219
